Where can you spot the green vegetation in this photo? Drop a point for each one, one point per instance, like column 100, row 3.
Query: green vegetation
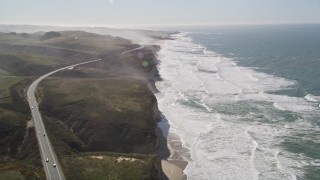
column 43, row 60
column 111, row 167
column 11, row 176
column 15, row 39
column 100, row 107
column 17, row 170
column 89, row 42
column 7, row 81
column 12, row 128
column 19, row 154
column 49, row 35
column 105, row 114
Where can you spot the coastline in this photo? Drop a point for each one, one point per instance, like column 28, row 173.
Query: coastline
column 172, row 163
column 175, row 165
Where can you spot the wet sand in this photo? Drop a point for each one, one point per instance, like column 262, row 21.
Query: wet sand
column 171, row 152
column 174, row 169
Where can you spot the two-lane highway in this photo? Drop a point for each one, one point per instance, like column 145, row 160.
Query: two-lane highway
column 49, row 159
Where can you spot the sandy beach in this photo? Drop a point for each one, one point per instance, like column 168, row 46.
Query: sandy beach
column 171, row 152
column 174, row 169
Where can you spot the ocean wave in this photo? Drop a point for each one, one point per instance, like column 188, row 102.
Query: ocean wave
column 225, row 115
column 312, row 98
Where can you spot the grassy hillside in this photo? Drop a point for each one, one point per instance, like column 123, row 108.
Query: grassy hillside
column 105, row 114
column 100, row 107
column 19, row 153
column 111, row 166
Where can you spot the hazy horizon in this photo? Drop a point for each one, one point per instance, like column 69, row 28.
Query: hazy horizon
column 123, row 13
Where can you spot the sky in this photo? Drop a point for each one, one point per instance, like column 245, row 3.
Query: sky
column 157, row 12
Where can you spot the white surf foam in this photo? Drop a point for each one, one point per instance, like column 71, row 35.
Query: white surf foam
column 312, row 98
column 199, row 96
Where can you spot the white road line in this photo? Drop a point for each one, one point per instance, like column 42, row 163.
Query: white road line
column 141, row 47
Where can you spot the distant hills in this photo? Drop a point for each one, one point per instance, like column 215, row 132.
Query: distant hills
column 139, row 36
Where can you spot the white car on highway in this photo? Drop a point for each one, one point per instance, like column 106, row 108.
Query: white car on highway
column 47, row 160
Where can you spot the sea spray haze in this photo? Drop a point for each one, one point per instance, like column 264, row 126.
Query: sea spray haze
column 244, row 100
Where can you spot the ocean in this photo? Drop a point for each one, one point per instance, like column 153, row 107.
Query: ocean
column 243, row 100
